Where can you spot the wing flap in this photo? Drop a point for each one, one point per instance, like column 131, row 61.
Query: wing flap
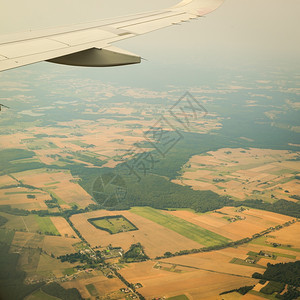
column 29, row 47
column 84, row 36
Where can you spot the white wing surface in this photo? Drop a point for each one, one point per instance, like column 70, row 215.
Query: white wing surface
column 90, row 44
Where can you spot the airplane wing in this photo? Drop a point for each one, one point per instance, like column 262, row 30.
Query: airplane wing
column 90, row 44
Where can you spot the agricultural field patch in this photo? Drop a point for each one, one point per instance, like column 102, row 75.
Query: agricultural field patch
column 233, row 223
column 24, row 198
column 161, row 283
column 39, row 294
column 6, row 180
column 58, row 245
column 100, row 284
column 244, row 173
column 183, row 227
column 63, row 227
column 6, row 236
column 61, row 184
column 113, row 224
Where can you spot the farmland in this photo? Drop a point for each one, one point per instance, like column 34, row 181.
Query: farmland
column 244, row 173
column 187, row 229
column 156, row 238
column 177, row 208
column 233, row 223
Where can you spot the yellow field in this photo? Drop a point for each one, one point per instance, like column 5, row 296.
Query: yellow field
column 252, row 221
column 102, row 284
column 63, row 227
column 17, row 197
column 253, row 173
column 58, row 183
column 195, row 284
column 6, row 180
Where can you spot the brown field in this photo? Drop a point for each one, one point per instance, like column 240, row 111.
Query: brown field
column 17, row 197
column 59, row 245
column 63, row 227
column 6, row 180
column 51, row 244
column 196, row 284
column 288, row 235
column 155, row 238
column 103, row 285
column 27, row 239
column 48, row 266
column 251, row 173
column 255, row 221
column 57, row 182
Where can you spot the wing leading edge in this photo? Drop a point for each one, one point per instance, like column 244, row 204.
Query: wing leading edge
column 90, row 44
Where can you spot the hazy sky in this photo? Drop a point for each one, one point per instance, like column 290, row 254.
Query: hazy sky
column 240, row 30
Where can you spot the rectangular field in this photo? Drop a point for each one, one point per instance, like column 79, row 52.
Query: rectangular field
column 185, row 228
column 113, row 225
column 232, row 222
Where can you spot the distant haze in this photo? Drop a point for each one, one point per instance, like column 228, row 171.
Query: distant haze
column 240, row 30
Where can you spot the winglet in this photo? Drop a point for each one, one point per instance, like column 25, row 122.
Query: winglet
column 198, row 7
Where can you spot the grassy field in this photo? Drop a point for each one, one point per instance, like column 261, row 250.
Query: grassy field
column 69, row 271
column 40, row 295
column 255, row 254
column 113, row 224
column 263, row 242
column 241, row 262
column 92, row 290
column 187, row 229
column 180, row 297
column 46, row 226
column 6, row 236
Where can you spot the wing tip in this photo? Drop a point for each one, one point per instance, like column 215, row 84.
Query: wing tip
column 198, row 7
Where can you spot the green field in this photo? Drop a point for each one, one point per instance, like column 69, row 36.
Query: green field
column 46, row 226
column 180, row 297
column 92, row 290
column 263, row 242
column 187, row 229
column 40, row 295
column 255, row 254
column 6, row 236
column 30, row 223
column 239, row 261
column 69, row 271
column 113, row 224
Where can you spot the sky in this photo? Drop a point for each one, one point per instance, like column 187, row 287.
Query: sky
column 239, row 32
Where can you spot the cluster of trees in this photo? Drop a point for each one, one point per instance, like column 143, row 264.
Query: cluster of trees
column 273, row 287
column 135, row 253
column 81, row 257
column 14, row 211
column 205, row 249
column 167, row 194
column 242, row 290
column 52, row 203
column 3, row 220
column 284, row 207
column 279, row 275
column 288, row 273
column 56, row 290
